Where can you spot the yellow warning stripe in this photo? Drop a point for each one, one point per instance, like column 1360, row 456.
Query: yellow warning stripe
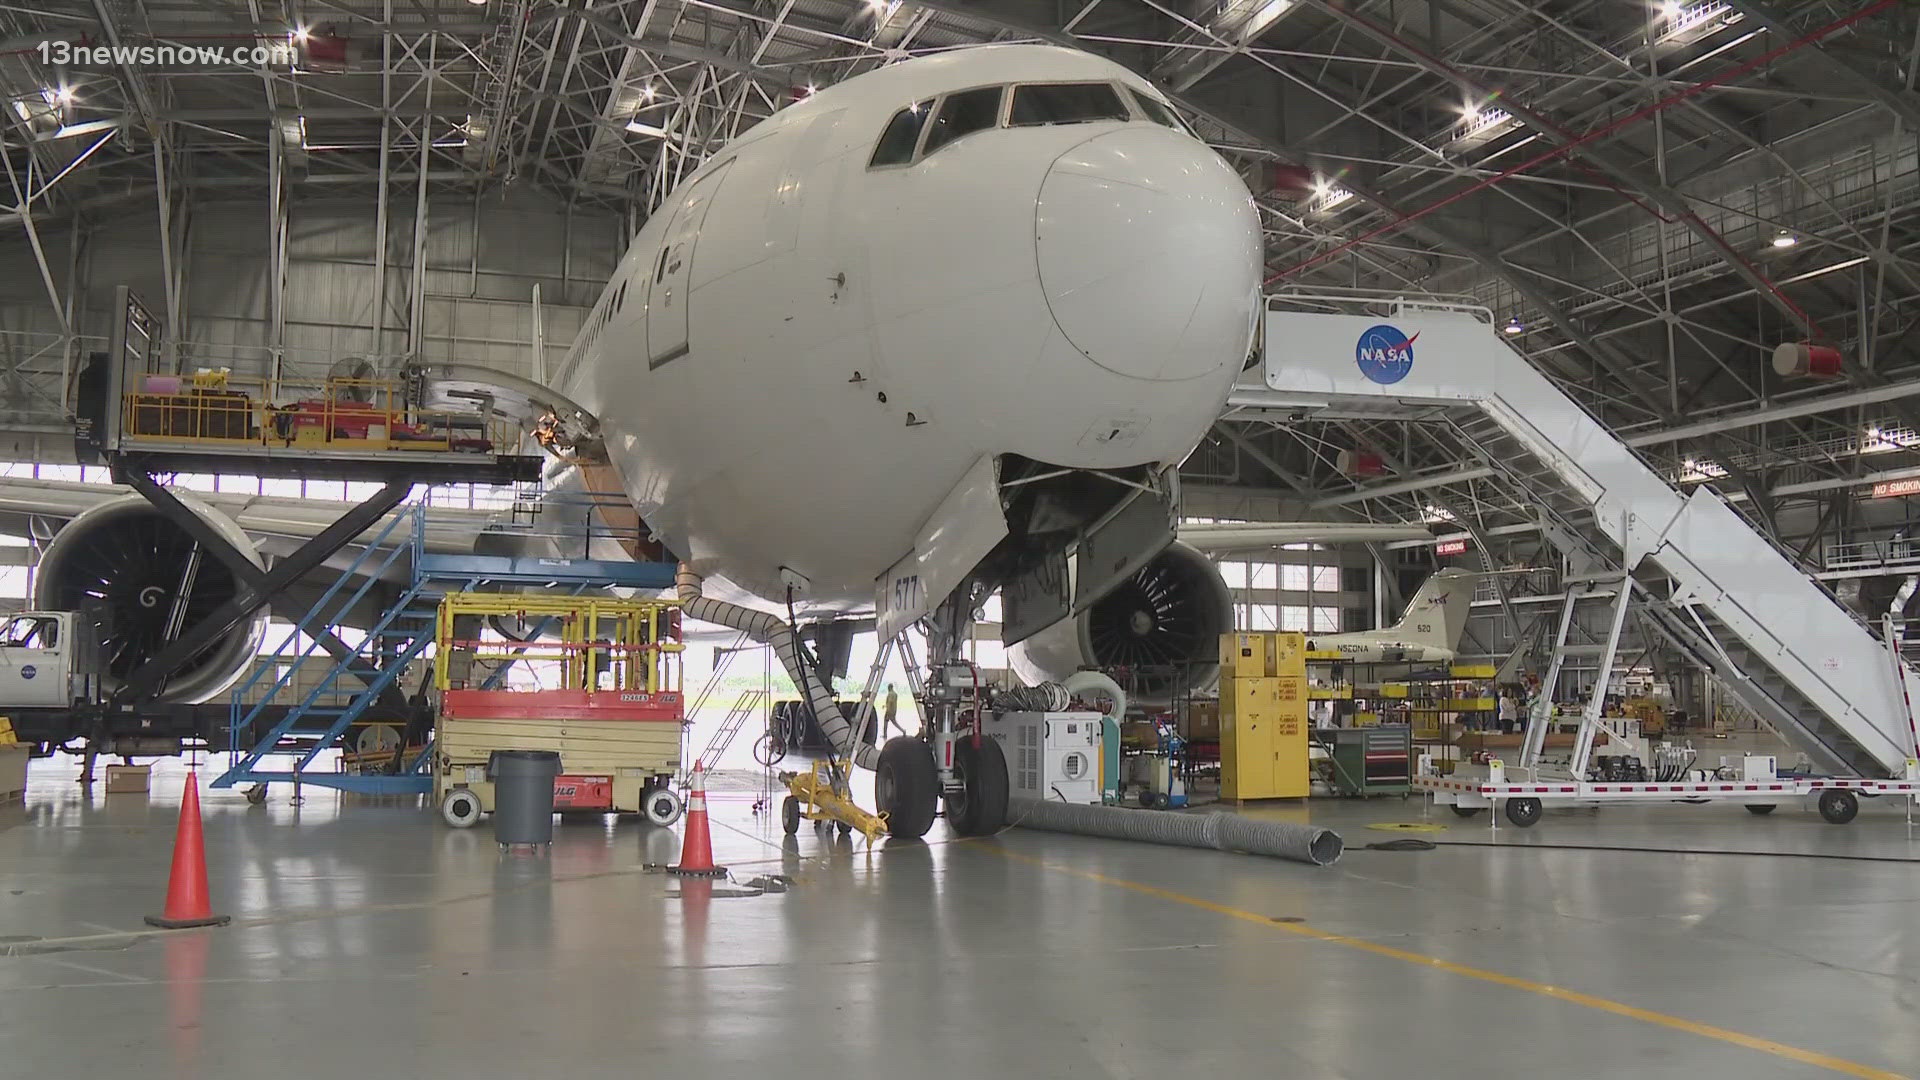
column 1751, row 1042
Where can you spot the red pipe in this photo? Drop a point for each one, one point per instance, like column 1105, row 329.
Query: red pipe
column 1597, row 133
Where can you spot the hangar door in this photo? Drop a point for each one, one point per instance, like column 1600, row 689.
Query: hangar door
column 673, row 270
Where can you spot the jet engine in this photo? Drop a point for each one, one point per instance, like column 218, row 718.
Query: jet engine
column 126, row 559
column 1158, row 631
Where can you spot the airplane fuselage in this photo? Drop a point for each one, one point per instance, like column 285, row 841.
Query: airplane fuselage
column 806, row 347
column 1380, row 651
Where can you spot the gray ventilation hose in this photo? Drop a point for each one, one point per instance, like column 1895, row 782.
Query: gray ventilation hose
column 771, row 630
column 1047, row 697
column 1085, row 682
column 1220, row 831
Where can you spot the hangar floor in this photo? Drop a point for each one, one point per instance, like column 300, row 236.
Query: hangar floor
column 369, row 939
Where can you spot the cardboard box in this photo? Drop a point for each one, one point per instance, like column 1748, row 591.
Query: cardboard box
column 1201, row 720
column 128, row 779
column 13, row 771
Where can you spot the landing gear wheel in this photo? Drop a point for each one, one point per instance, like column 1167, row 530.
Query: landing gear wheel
column 906, row 786
column 257, row 794
column 662, row 806
column 790, row 815
column 980, row 806
column 461, row 808
column 1759, row 808
column 1839, row 806
column 1465, row 811
column 1523, row 812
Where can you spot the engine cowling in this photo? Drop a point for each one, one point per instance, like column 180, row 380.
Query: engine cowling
column 1158, row 632
column 127, row 557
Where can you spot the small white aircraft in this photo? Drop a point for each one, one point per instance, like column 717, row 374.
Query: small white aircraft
column 1429, row 630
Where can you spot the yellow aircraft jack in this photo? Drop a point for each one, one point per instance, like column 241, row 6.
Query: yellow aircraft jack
column 814, row 798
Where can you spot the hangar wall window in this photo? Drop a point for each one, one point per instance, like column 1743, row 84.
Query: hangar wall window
column 1066, row 103
column 902, row 135
column 963, row 114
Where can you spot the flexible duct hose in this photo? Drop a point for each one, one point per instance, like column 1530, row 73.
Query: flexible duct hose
column 1047, row 697
column 1220, row 831
column 1083, row 681
column 769, row 629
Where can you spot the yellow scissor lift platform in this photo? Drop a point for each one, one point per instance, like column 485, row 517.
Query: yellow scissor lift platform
column 607, row 698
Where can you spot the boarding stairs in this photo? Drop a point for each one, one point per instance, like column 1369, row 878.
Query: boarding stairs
column 284, row 710
column 299, row 717
column 1708, row 581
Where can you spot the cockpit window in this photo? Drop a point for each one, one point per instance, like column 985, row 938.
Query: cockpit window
column 963, row 114
column 902, row 134
column 1066, row 103
column 1154, row 111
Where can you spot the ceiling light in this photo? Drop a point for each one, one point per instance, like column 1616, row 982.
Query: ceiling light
column 64, row 95
column 1514, row 326
column 646, row 92
column 299, row 35
column 812, row 89
column 1670, row 9
column 1784, row 239
column 477, row 3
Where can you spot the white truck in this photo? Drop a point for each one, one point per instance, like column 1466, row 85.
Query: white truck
column 50, row 673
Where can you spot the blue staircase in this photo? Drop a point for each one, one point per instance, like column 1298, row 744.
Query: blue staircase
column 285, row 723
column 338, row 698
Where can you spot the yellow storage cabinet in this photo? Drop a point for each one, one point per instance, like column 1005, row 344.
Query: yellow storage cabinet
column 1263, row 716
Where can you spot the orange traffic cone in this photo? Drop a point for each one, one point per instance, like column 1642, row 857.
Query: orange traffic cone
column 187, row 901
column 696, row 853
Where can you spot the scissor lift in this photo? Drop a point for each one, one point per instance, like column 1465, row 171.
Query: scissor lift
column 603, row 691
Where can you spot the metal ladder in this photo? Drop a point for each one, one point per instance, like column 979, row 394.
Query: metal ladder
column 744, row 708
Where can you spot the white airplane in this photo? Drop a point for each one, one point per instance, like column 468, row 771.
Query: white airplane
column 945, row 327
column 1429, row 630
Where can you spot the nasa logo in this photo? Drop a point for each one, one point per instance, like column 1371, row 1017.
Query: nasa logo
column 28, row 671
column 1385, row 354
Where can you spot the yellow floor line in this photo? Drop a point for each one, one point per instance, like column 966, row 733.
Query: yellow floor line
column 1751, row 1042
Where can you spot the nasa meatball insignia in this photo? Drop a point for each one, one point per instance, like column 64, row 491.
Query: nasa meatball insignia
column 1385, row 354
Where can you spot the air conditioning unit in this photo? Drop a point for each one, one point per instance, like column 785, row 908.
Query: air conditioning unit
column 1053, row 756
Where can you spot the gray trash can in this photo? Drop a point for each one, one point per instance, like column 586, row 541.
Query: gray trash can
column 523, row 795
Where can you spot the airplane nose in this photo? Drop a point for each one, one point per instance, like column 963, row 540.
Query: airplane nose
column 1149, row 253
